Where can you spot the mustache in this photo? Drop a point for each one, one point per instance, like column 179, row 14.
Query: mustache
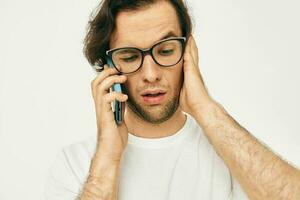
column 152, row 87
column 139, row 90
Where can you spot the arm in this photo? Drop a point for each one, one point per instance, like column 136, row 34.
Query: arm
column 102, row 182
column 261, row 173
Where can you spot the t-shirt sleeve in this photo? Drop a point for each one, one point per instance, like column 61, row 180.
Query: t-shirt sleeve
column 61, row 182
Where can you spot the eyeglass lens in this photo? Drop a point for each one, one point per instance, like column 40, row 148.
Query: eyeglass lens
column 166, row 53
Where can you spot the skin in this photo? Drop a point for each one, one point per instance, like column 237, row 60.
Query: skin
column 261, row 173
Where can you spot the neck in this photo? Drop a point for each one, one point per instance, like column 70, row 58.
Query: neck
column 141, row 128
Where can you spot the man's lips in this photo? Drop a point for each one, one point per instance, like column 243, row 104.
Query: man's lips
column 153, row 92
column 153, row 97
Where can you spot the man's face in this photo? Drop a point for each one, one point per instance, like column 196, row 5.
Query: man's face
column 143, row 28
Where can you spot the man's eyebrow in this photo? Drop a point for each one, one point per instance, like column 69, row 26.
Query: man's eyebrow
column 169, row 34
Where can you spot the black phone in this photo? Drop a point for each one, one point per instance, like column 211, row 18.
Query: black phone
column 116, row 105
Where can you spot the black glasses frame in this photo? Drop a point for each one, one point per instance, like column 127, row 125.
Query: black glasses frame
column 148, row 51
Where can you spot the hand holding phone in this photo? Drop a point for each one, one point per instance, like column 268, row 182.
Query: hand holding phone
column 112, row 134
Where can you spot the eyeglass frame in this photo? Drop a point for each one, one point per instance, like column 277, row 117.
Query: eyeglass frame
column 147, row 51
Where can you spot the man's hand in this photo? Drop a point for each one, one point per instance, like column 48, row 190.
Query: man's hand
column 102, row 182
column 193, row 95
column 112, row 137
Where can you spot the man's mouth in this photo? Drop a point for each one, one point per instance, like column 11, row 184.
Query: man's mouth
column 153, row 97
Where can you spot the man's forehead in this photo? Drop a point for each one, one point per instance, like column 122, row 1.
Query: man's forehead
column 144, row 27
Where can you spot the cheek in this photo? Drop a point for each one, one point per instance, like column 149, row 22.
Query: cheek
column 178, row 77
column 128, row 87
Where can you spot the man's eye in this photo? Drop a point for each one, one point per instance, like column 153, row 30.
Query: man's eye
column 130, row 59
column 166, row 52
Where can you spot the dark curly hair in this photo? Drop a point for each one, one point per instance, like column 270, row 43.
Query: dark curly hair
column 102, row 25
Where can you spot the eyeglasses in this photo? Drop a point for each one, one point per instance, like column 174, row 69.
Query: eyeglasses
column 166, row 53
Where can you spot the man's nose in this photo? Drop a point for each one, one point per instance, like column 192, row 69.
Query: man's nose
column 151, row 71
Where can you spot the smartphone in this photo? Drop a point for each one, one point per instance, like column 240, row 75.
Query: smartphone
column 116, row 105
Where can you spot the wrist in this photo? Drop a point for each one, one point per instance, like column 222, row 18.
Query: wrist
column 207, row 114
column 109, row 151
column 104, row 164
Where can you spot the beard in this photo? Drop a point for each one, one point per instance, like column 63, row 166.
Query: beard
column 163, row 113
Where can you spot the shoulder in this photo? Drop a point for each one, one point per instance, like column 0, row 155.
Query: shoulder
column 78, row 155
column 72, row 161
column 81, row 149
column 69, row 170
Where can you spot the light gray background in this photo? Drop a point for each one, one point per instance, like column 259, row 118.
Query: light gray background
column 249, row 52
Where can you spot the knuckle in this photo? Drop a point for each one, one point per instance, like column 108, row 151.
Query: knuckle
column 108, row 71
column 101, row 88
column 113, row 94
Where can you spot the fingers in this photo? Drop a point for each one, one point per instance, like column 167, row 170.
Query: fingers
column 112, row 96
column 104, row 74
column 194, row 50
column 107, row 83
column 191, row 48
column 105, row 80
column 101, row 91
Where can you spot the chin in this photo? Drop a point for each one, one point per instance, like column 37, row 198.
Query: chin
column 155, row 114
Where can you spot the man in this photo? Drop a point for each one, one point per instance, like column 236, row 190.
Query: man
column 175, row 142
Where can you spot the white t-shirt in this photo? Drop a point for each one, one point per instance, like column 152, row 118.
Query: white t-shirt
column 181, row 166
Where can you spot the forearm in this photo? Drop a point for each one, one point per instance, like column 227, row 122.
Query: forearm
column 261, row 173
column 102, row 182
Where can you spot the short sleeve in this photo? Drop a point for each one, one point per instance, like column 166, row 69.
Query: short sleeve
column 68, row 173
column 61, row 182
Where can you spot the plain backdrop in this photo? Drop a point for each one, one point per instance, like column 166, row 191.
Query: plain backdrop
column 249, row 55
